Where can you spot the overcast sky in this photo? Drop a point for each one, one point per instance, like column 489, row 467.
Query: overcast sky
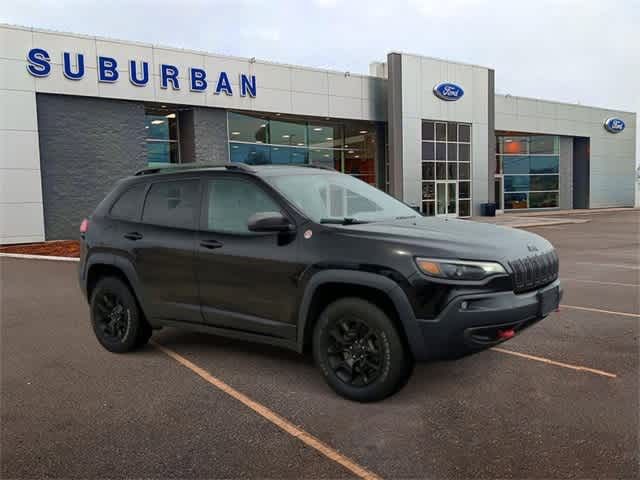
column 583, row 51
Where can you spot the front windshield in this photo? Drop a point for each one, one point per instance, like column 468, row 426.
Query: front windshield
column 329, row 196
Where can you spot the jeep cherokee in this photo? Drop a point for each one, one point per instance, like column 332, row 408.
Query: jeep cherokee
column 308, row 259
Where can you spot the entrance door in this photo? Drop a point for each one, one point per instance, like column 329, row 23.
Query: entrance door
column 447, row 198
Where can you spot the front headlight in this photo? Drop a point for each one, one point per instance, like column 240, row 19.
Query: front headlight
column 459, row 269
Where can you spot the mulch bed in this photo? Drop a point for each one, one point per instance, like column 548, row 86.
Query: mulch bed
column 56, row 248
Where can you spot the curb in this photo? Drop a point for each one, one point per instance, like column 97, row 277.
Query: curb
column 39, row 257
column 550, row 224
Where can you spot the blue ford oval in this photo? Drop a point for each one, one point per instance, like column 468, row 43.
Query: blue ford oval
column 448, row 91
column 614, row 125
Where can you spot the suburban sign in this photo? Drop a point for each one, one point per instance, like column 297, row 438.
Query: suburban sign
column 109, row 71
column 614, row 125
column 448, row 91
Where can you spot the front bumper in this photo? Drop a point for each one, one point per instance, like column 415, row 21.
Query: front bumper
column 470, row 323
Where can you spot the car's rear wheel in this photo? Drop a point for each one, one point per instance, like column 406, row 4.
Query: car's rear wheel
column 359, row 350
column 116, row 318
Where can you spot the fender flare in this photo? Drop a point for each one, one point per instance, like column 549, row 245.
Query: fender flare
column 124, row 266
column 371, row 280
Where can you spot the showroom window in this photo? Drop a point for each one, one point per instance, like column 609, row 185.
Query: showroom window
column 529, row 167
column 347, row 146
column 446, row 168
column 161, row 130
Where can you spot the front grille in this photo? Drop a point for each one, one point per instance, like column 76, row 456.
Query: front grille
column 533, row 272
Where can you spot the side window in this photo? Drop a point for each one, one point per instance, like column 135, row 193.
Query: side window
column 232, row 201
column 127, row 206
column 172, row 204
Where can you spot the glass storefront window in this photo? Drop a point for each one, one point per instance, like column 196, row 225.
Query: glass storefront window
column 161, row 131
column 446, row 160
column 428, row 151
column 325, row 136
column 516, row 164
column 464, row 133
column 325, row 157
column 464, row 152
column 544, row 164
column 464, row 207
column 516, row 183
column 428, row 170
column 452, row 171
column 513, row 201
column 160, row 154
column 513, row 145
column 543, row 182
column 245, row 128
column 288, row 133
column 452, row 152
column 347, row 146
column 541, row 144
column 465, row 189
column 543, row 199
column 530, row 165
column 161, row 127
column 250, row 153
column 428, row 131
column 464, row 171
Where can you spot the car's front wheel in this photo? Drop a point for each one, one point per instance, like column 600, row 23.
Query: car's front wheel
column 359, row 350
column 116, row 318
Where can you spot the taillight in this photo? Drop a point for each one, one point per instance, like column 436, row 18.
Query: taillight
column 84, row 226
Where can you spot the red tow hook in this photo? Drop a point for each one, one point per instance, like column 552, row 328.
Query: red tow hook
column 506, row 334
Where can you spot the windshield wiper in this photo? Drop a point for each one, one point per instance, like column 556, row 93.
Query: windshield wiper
column 342, row 221
column 406, row 217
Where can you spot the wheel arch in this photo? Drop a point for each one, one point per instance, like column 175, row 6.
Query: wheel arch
column 102, row 267
column 330, row 285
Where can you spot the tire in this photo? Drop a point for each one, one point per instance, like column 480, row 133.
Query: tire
column 359, row 351
column 116, row 318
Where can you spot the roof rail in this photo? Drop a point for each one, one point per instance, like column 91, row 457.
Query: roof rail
column 321, row 167
column 239, row 166
column 190, row 166
column 170, row 167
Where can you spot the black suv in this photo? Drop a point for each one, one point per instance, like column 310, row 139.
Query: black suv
column 307, row 258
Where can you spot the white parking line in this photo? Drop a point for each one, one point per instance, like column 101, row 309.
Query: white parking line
column 597, row 310
column 598, row 282
column 612, row 265
column 273, row 417
column 548, row 361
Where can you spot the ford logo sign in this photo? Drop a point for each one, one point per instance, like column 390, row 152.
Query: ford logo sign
column 614, row 125
column 448, row 91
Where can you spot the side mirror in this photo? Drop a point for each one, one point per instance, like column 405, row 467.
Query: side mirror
column 269, row 222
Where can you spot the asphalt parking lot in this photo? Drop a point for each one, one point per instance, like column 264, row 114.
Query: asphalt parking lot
column 559, row 401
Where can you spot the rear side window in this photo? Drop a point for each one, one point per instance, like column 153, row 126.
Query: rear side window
column 127, row 207
column 232, row 201
column 172, row 204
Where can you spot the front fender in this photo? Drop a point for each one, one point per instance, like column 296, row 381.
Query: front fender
column 385, row 285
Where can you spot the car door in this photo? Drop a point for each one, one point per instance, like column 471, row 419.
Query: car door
column 164, row 251
column 247, row 280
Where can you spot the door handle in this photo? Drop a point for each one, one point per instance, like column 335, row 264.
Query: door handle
column 211, row 244
column 133, row 236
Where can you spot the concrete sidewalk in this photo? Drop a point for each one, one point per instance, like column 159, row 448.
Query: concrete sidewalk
column 554, row 217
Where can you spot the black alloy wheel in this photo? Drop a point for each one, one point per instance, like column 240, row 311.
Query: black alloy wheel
column 354, row 352
column 359, row 350
column 117, row 321
column 112, row 316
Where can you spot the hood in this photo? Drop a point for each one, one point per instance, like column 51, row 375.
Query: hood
column 454, row 238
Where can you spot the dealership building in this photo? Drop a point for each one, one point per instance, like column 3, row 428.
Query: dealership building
column 77, row 113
